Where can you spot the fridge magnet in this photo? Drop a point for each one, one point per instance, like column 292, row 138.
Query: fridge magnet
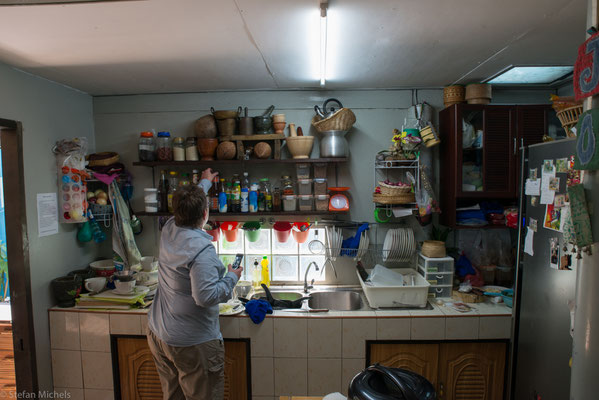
column 548, row 167
column 532, row 187
column 554, row 184
column 587, row 156
column 553, row 218
column 534, row 201
column 559, row 201
column 586, row 70
column 533, row 174
column 561, row 165
column 566, row 262
column 574, row 177
column 581, row 223
column 554, row 253
column 532, row 224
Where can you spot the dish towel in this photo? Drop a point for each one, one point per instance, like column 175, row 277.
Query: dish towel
column 257, row 310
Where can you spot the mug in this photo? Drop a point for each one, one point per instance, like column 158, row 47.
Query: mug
column 95, row 285
column 124, row 287
column 148, row 263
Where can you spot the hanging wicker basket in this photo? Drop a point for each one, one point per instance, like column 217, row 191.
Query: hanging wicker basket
column 390, row 190
column 569, row 117
column 341, row 120
column 398, row 199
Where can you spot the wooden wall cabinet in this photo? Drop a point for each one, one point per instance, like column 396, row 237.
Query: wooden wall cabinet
column 486, row 169
column 138, row 378
column 458, row 370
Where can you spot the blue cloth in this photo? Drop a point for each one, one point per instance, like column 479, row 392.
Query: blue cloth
column 257, row 310
column 192, row 281
column 464, row 267
column 353, row 242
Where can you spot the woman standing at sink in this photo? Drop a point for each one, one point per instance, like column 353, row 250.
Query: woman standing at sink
column 184, row 333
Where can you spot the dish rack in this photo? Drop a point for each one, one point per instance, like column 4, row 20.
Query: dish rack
column 396, row 170
column 439, row 273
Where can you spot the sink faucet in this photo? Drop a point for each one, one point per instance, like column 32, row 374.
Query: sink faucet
column 306, row 286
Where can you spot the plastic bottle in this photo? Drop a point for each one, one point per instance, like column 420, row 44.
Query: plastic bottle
column 236, row 194
column 213, row 195
column 195, row 177
column 222, row 198
column 97, row 232
column 184, row 179
column 256, row 274
column 261, row 198
column 267, row 194
column 173, row 183
column 265, row 275
column 163, row 192
column 229, row 191
column 253, row 198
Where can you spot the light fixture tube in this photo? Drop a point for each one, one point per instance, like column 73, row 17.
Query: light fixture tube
column 323, row 41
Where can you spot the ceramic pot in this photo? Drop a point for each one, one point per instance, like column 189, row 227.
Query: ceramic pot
column 207, row 148
column 66, row 289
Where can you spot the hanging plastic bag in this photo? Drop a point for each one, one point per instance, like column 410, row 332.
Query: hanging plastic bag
column 72, row 189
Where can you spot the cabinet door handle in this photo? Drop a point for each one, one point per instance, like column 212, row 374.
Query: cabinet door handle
column 441, row 391
column 515, row 141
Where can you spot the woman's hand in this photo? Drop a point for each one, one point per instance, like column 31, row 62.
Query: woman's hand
column 208, row 174
column 237, row 271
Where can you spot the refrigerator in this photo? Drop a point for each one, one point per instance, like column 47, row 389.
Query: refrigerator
column 542, row 344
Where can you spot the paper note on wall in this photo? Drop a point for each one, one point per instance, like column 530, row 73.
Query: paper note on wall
column 548, row 173
column 47, row 214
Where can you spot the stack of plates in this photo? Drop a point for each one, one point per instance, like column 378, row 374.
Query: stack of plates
column 363, row 247
column 399, row 245
column 334, row 240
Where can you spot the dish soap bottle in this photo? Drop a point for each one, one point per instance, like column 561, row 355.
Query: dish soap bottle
column 265, row 274
column 256, row 275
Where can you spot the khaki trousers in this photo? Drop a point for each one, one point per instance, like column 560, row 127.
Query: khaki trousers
column 189, row 373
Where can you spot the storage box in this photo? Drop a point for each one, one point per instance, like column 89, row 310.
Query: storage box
column 444, row 264
column 320, row 186
column 437, row 278
column 320, row 170
column 289, row 202
column 302, row 171
column 306, row 202
column 398, row 296
column 439, row 291
column 321, row 202
column 304, row 187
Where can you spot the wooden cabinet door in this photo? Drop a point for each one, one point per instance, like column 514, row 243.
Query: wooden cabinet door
column 471, row 371
column 416, row 357
column 532, row 126
column 8, row 386
column 499, row 152
column 139, row 379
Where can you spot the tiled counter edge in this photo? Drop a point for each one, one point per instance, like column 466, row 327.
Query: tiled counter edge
column 291, row 353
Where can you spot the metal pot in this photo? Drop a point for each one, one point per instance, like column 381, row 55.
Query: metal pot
column 246, row 124
column 333, row 144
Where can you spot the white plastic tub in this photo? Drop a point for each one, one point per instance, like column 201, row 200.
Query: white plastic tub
column 398, row 296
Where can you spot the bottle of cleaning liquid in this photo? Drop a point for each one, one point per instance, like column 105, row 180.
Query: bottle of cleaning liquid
column 256, row 274
column 265, row 273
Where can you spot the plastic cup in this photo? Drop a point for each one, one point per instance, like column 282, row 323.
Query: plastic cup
column 282, row 231
column 252, row 231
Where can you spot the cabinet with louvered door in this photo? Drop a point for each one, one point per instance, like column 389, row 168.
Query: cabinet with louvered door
column 499, row 164
column 138, row 378
column 421, row 358
column 534, row 122
column 471, row 371
column 8, row 385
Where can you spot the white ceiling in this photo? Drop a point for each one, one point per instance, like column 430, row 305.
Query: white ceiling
column 159, row 46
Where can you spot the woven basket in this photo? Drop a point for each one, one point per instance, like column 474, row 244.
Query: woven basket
column 569, row 117
column 103, row 159
column 433, row 249
column 341, row 120
column 478, row 91
column 389, row 190
column 429, row 136
column 397, row 199
column 453, row 94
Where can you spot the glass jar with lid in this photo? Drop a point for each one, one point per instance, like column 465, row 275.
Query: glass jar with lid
column 163, row 147
column 191, row 149
column 178, row 149
column 146, row 147
column 287, row 185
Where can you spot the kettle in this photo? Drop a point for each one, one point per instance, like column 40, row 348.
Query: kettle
column 382, row 383
column 323, row 113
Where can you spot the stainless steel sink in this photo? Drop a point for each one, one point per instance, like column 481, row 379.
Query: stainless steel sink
column 337, row 301
column 280, row 295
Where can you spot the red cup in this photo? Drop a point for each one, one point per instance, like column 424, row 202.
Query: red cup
column 300, row 236
column 282, row 231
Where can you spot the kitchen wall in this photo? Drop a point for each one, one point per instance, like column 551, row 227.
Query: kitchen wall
column 48, row 112
column 119, row 119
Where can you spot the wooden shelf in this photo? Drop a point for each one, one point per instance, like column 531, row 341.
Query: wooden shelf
column 256, row 215
column 233, row 162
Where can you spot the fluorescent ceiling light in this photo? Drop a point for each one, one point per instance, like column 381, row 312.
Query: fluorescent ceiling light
column 323, row 42
column 531, row 75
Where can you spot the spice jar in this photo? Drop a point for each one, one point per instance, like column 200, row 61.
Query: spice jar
column 287, row 184
column 178, row 149
column 163, row 147
column 191, row 149
column 276, row 199
column 146, row 146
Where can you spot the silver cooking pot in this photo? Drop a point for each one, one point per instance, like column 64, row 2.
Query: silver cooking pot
column 333, row 144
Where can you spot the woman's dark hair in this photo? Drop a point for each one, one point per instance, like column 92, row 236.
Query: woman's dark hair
column 189, row 204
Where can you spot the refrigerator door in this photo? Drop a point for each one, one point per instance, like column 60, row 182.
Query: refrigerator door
column 544, row 344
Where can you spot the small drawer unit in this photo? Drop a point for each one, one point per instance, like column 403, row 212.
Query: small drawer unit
column 439, row 273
